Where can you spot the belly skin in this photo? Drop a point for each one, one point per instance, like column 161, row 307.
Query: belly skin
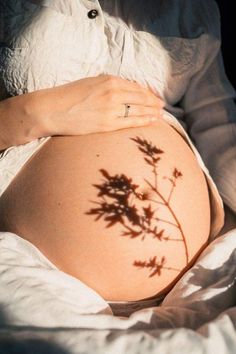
column 126, row 212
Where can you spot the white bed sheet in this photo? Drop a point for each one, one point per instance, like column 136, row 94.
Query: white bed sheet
column 45, row 308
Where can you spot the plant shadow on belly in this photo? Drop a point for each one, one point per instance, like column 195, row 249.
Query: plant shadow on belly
column 117, row 205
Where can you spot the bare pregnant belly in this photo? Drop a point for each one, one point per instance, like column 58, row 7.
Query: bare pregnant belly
column 126, row 212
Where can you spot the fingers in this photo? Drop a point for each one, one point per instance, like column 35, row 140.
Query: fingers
column 118, row 83
column 145, row 105
column 140, row 110
column 127, row 122
column 139, row 97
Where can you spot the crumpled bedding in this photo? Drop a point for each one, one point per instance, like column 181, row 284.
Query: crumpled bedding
column 44, row 310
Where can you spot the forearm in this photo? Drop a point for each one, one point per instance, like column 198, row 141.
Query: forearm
column 40, row 113
column 21, row 120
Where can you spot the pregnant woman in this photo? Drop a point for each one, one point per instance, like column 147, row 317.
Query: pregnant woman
column 96, row 173
column 125, row 211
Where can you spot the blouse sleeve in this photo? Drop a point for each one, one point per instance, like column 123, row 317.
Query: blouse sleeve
column 210, row 110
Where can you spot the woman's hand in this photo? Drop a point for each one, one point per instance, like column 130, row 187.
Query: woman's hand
column 96, row 104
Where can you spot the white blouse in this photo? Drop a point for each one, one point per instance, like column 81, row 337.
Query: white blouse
column 173, row 46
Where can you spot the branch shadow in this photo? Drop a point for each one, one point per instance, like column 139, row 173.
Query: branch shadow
column 119, row 203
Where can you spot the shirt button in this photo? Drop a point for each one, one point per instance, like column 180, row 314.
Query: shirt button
column 93, row 13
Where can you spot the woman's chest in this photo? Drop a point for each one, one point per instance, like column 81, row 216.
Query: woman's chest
column 47, row 48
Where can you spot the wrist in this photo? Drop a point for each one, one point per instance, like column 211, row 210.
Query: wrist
column 36, row 114
column 22, row 120
column 47, row 106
